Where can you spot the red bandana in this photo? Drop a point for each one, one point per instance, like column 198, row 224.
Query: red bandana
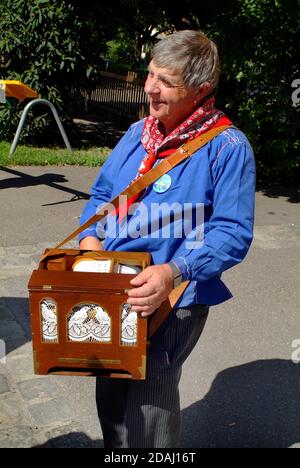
column 157, row 146
column 203, row 119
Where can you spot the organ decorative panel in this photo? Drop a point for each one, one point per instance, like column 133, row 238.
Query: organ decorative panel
column 128, row 326
column 89, row 323
column 48, row 310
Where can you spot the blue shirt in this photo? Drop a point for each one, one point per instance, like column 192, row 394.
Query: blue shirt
column 217, row 184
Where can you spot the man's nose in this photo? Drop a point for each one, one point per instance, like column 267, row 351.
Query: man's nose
column 151, row 86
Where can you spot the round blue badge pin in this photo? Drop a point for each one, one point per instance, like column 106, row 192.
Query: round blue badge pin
column 162, row 184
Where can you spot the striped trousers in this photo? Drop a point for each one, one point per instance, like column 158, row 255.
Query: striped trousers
column 146, row 414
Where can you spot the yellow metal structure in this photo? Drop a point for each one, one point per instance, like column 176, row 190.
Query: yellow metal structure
column 18, row 90
column 12, row 91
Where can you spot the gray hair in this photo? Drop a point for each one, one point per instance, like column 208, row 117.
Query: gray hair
column 195, row 55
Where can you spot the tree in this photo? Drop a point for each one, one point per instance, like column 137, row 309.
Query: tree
column 140, row 23
column 54, row 46
column 49, row 46
column 257, row 40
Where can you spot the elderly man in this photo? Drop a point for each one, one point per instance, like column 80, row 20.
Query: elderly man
column 220, row 178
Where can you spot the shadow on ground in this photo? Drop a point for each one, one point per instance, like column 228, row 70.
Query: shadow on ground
column 23, row 179
column 248, row 406
column 15, row 329
column 255, row 405
column 72, row 440
column 275, row 191
column 252, row 405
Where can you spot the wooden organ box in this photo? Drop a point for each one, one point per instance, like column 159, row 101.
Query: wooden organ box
column 81, row 323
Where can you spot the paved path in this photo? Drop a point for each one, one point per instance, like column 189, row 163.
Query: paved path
column 240, row 387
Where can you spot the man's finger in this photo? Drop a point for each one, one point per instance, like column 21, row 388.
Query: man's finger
column 140, row 279
column 144, row 311
column 143, row 301
column 144, row 291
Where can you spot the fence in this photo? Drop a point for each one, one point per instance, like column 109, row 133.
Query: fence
column 117, row 93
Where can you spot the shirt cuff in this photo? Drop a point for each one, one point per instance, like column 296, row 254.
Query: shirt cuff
column 183, row 267
column 87, row 232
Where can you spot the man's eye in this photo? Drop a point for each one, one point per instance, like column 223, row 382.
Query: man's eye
column 168, row 84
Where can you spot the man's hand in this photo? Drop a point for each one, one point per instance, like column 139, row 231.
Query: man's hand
column 151, row 287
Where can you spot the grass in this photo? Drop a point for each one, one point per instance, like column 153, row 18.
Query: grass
column 32, row 156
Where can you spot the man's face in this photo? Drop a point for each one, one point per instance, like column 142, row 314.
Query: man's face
column 171, row 101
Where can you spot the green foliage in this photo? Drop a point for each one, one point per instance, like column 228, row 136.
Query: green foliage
column 54, row 45
column 143, row 21
column 257, row 40
column 120, row 54
column 259, row 66
column 46, row 44
column 121, row 47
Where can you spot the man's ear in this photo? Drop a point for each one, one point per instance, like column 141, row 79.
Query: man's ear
column 202, row 91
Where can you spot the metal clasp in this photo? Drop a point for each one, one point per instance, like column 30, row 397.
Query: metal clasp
column 183, row 150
